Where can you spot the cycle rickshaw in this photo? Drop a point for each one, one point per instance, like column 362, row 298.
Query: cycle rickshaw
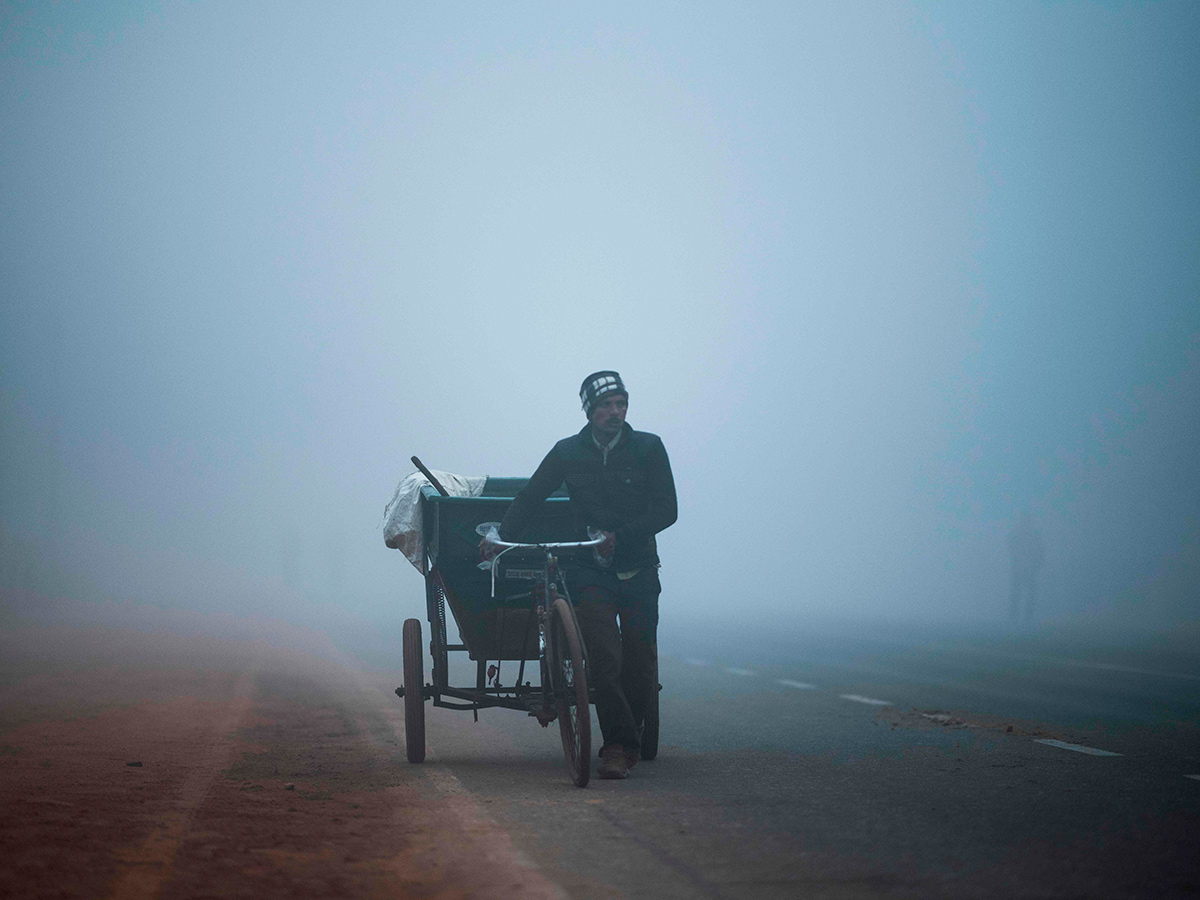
column 517, row 611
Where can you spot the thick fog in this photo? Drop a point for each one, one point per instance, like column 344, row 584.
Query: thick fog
column 882, row 276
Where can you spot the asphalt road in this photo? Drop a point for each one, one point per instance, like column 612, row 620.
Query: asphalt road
column 825, row 762
column 885, row 762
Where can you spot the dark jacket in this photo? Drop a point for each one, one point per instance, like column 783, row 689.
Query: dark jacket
column 632, row 494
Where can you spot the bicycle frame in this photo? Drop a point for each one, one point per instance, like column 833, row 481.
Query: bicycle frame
column 500, row 628
column 545, row 592
column 521, row 696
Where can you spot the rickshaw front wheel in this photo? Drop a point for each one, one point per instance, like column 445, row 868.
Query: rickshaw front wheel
column 414, row 701
column 571, row 693
column 650, row 723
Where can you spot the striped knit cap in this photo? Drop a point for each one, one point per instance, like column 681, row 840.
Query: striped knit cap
column 598, row 385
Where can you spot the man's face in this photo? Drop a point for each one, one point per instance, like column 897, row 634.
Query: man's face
column 608, row 415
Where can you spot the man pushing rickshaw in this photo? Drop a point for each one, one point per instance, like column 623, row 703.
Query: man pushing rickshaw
column 619, row 484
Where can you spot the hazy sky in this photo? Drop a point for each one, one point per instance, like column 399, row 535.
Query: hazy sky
column 881, row 275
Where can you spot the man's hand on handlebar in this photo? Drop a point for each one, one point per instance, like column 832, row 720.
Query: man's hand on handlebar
column 606, row 547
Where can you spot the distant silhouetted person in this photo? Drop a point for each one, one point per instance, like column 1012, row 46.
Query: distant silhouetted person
column 1026, row 552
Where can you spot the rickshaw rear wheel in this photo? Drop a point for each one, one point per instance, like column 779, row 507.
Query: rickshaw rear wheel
column 650, row 722
column 414, row 701
column 571, row 690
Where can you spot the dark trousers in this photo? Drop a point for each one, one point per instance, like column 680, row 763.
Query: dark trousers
column 619, row 620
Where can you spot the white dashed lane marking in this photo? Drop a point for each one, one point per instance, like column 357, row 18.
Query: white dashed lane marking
column 870, row 701
column 1193, row 777
column 1078, row 748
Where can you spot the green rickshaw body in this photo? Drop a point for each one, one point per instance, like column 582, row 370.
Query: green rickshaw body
column 503, row 627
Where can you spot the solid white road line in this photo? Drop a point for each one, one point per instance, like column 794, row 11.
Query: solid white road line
column 858, row 698
column 739, row 671
column 1193, row 777
column 1078, row 748
column 787, row 682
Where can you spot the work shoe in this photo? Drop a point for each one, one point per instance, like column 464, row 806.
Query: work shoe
column 631, row 758
column 613, row 762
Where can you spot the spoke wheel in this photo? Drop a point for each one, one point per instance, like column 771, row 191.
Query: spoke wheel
column 650, row 723
column 414, row 702
column 571, row 692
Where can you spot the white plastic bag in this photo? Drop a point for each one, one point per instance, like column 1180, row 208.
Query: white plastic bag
column 402, row 524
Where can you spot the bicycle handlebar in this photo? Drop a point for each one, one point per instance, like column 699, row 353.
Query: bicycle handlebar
column 560, row 545
column 489, row 532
